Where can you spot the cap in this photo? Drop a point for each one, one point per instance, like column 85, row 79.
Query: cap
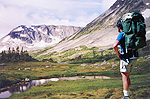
column 119, row 24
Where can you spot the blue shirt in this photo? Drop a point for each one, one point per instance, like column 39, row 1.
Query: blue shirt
column 121, row 39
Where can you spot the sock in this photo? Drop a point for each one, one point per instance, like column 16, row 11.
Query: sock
column 126, row 92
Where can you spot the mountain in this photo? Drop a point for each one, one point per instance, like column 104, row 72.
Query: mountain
column 102, row 31
column 36, row 37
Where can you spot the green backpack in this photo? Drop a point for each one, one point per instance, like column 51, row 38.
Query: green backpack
column 135, row 30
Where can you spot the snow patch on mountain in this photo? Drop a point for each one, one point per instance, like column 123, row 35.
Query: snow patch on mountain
column 44, row 32
column 146, row 13
column 32, row 27
column 23, row 35
column 3, row 48
column 19, row 29
column 148, row 32
column 57, row 30
column 15, row 41
column 41, row 44
column 147, row 4
column 6, row 39
column 55, row 40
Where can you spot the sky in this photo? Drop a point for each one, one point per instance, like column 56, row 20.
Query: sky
column 14, row 13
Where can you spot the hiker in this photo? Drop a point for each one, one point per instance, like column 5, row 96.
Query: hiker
column 126, row 66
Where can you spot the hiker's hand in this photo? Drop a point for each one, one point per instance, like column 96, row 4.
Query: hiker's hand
column 119, row 55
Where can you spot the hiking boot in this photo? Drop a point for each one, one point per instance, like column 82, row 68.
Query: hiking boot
column 125, row 97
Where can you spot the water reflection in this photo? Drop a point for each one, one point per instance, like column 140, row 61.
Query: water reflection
column 24, row 87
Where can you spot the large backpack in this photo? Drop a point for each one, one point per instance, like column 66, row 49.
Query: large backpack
column 135, row 29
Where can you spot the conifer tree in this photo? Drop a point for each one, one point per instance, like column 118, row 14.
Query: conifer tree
column 13, row 58
column 22, row 49
column 9, row 55
column 26, row 55
column 17, row 54
column 22, row 55
column 3, row 57
column 94, row 52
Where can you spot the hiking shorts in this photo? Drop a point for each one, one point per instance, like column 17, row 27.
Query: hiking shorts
column 127, row 66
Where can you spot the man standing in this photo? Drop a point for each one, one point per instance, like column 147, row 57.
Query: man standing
column 126, row 65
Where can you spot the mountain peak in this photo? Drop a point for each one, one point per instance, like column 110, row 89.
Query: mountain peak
column 35, row 37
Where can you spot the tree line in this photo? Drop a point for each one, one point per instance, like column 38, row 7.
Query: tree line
column 15, row 55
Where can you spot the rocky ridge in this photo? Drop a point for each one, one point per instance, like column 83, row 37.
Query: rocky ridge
column 36, row 37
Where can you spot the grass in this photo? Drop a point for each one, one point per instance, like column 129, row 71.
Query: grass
column 84, row 51
column 95, row 88
column 83, row 88
column 69, row 89
column 11, row 74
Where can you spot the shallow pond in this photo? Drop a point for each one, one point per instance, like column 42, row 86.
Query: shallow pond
column 25, row 86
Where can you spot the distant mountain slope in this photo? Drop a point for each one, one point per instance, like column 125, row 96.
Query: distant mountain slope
column 102, row 30
column 36, row 37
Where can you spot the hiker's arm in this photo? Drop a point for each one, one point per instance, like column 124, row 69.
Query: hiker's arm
column 115, row 46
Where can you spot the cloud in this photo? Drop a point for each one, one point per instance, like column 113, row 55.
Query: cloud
column 49, row 12
column 10, row 17
column 106, row 4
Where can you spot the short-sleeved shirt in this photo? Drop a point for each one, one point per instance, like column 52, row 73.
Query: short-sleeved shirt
column 121, row 39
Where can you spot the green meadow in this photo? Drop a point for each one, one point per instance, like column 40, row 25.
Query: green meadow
column 93, row 62
column 77, row 89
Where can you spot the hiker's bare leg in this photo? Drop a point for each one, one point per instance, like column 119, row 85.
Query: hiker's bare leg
column 126, row 80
